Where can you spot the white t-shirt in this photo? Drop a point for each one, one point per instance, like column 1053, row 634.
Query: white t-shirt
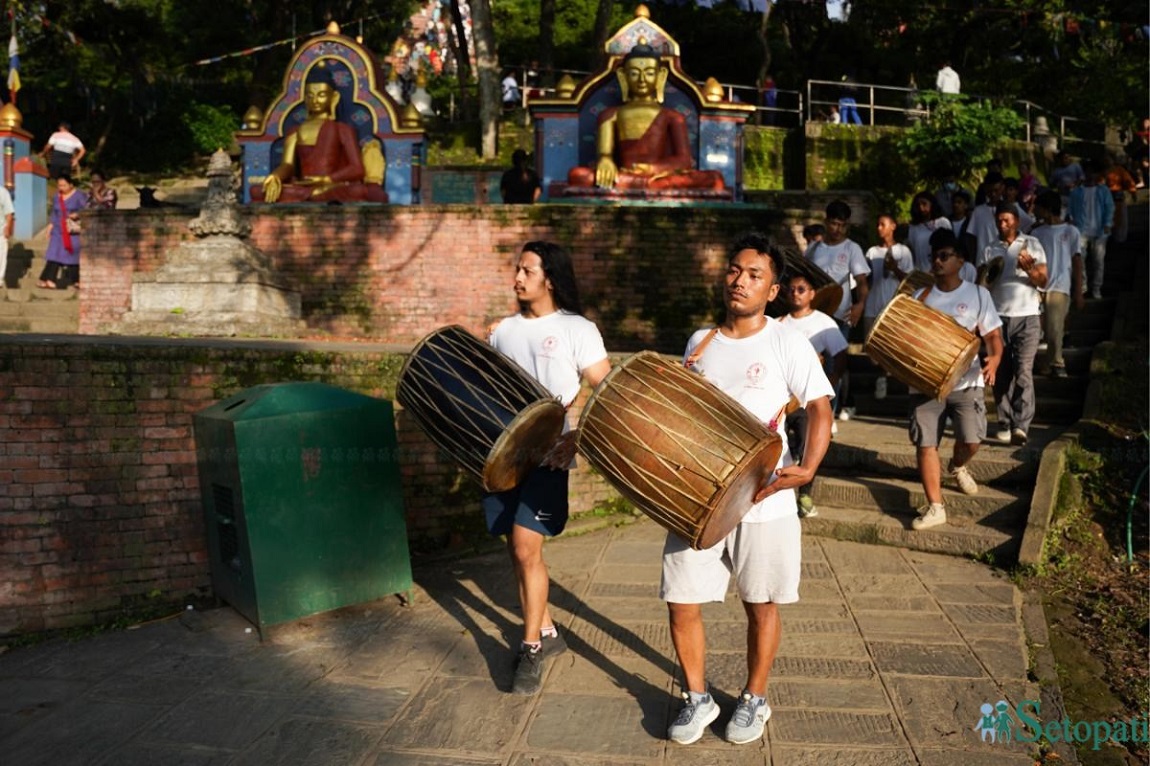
column 1060, row 240
column 918, row 240
column 761, row 373
column 64, row 141
column 1014, row 296
column 883, row 286
column 968, row 272
column 972, row 307
column 553, row 349
column 840, row 262
column 6, row 208
column 983, row 227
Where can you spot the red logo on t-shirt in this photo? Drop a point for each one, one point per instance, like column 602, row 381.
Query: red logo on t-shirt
column 754, row 373
column 550, row 343
column 961, row 308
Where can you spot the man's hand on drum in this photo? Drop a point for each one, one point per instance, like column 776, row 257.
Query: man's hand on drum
column 786, row 478
column 562, row 452
column 855, row 314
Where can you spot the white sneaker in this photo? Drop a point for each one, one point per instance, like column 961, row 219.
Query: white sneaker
column 750, row 718
column 846, row 413
column 933, row 515
column 965, row 481
column 834, row 428
column 880, row 387
column 693, row 720
column 1003, row 435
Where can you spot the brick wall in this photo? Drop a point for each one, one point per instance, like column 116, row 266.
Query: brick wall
column 394, row 274
column 99, row 493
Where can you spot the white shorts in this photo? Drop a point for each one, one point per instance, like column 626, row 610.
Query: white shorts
column 765, row 557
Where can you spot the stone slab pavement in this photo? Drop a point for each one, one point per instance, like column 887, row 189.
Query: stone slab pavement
column 887, row 659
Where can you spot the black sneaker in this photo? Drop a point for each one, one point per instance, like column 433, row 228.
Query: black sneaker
column 528, row 671
column 553, row 646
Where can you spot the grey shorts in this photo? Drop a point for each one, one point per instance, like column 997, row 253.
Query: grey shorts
column 765, row 557
column 965, row 408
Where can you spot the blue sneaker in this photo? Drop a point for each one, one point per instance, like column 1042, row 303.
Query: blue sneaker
column 750, row 718
column 693, row 719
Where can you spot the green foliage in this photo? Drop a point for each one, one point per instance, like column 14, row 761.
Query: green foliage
column 210, row 126
column 957, row 134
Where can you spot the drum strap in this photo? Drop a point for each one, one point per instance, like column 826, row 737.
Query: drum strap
column 699, row 349
column 698, row 352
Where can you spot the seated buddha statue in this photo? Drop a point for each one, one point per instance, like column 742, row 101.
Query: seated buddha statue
column 322, row 160
column 642, row 144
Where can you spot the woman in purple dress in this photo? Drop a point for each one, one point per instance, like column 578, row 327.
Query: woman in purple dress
column 62, row 267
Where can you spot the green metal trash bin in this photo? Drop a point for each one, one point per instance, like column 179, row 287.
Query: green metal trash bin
column 302, row 503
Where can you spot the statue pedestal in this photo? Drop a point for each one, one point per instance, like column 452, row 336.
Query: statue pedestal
column 589, row 194
column 215, row 286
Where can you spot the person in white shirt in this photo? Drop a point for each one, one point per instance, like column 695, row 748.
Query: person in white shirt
column 510, row 91
column 8, row 216
column 947, row 80
column 1064, row 282
column 555, row 344
column 842, row 259
column 982, row 229
column 829, row 344
column 63, row 150
column 762, row 363
column 1019, row 304
column 972, row 307
column 926, row 217
column 889, row 262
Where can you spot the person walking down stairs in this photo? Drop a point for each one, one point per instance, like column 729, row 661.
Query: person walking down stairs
column 972, row 307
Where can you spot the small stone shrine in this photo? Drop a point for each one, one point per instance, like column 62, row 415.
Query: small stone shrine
column 640, row 129
column 333, row 134
column 217, row 284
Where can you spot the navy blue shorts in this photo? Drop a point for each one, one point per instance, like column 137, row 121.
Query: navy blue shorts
column 538, row 504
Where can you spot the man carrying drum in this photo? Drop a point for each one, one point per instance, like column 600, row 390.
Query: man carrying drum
column 972, row 307
column 761, row 363
column 555, row 344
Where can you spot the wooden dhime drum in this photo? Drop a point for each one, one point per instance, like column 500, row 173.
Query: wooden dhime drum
column 685, row 453
column 479, row 407
column 915, row 281
column 828, row 293
column 921, row 346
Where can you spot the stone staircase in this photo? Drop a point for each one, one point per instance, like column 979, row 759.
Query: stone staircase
column 25, row 308
column 868, row 487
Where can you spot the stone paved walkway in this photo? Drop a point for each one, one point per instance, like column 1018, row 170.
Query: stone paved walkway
column 886, row 660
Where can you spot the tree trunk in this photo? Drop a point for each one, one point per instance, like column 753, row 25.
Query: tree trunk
column 462, row 58
column 487, row 64
column 547, row 41
column 765, row 67
column 602, row 32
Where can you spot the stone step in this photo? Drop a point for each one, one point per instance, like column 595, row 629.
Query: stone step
column 893, row 528
column 39, row 311
column 995, row 507
column 1054, row 407
column 881, row 448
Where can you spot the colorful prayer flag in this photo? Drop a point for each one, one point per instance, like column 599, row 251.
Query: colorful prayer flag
column 13, row 68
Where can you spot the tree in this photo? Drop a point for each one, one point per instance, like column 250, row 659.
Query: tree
column 487, row 64
column 956, row 134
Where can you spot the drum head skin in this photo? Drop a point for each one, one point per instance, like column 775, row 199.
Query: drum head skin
column 921, row 346
column 521, row 448
column 736, row 497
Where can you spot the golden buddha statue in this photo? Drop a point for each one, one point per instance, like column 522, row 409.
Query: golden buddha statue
column 642, row 144
column 322, row 160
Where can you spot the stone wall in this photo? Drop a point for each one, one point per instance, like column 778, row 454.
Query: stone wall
column 99, row 493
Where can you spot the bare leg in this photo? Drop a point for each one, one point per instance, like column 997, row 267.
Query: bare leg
column 690, row 644
column 526, row 549
column 930, row 471
column 963, row 453
column 764, row 632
